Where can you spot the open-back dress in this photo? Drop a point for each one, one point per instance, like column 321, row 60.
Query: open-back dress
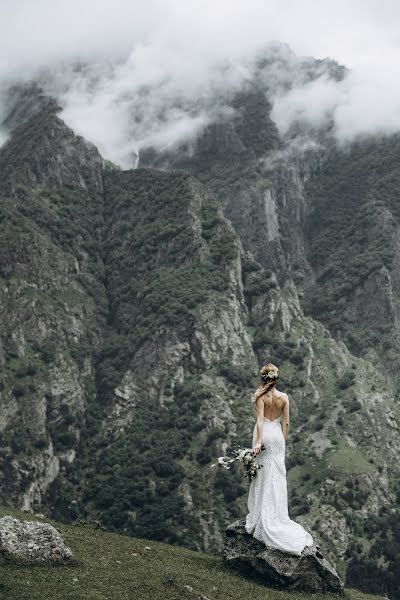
column 268, row 518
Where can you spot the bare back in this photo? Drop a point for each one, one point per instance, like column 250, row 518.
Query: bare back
column 274, row 403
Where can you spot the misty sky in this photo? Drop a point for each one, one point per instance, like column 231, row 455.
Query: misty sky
column 179, row 47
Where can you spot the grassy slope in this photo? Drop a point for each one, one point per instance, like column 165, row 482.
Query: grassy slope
column 111, row 566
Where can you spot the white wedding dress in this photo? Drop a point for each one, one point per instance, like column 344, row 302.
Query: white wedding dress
column 268, row 519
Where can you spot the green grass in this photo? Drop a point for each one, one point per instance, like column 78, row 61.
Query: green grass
column 110, row 566
column 349, row 460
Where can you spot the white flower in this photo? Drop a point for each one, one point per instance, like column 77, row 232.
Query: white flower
column 240, row 453
column 272, row 373
column 224, row 461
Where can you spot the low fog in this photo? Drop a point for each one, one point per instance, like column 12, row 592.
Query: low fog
column 130, row 74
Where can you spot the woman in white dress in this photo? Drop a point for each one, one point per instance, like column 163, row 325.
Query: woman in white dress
column 268, row 519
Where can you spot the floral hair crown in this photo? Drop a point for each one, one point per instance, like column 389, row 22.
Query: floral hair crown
column 271, row 374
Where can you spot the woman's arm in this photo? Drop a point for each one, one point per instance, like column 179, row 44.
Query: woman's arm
column 285, row 416
column 260, row 424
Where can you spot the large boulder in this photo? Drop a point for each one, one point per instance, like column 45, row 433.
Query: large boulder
column 32, row 540
column 309, row 572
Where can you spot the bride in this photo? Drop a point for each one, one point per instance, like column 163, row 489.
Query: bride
column 268, row 519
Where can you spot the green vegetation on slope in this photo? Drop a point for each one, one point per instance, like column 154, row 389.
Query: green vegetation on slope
column 51, row 291
column 87, row 277
column 132, row 483
column 349, row 232
column 376, row 565
column 167, row 252
column 158, row 268
column 226, row 159
column 107, row 566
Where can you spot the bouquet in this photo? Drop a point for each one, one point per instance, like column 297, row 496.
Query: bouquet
column 246, row 455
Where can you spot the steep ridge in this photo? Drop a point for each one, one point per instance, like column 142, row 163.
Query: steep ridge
column 122, row 291
column 177, row 340
column 52, row 302
column 352, row 236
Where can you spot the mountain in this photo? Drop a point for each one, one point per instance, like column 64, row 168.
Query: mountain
column 324, row 219
column 124, row 339
column 138, row 305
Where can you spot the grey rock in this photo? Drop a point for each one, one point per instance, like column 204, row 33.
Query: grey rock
column 308, row 572
column 32, row 540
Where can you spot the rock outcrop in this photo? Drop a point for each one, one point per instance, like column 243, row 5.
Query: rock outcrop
column 32, row 540
column 309, row 572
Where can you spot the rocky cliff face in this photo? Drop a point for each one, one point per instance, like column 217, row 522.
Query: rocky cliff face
column 52, row 319
column 124, row 323
column 137, row 305
column 176, row 332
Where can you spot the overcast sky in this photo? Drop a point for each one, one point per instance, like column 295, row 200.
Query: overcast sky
column 178, row 47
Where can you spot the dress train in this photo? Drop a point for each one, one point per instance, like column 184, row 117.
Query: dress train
column 268, row 518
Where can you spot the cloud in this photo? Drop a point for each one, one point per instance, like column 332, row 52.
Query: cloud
column 141, row 102
column 130, row 74
column 370, row 105
column 313, row 103
column 295, row 148
column 365, row 102
column 3, row 137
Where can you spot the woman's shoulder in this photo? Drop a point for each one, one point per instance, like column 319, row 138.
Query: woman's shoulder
column 282, row 396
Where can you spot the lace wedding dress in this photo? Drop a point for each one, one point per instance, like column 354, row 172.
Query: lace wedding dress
column 268, row 519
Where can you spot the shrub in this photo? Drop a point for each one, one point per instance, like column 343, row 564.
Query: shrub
column 230, row 484
column 237, row 375
column 204, row 455
column 63, row 439
column 48, row 351
column 40, row 443
column 19, row 390
column 346, row 380
column 24, row 370
column 354, row 406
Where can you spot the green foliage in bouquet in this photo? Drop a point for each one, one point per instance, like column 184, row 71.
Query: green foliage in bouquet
column 246, row 455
